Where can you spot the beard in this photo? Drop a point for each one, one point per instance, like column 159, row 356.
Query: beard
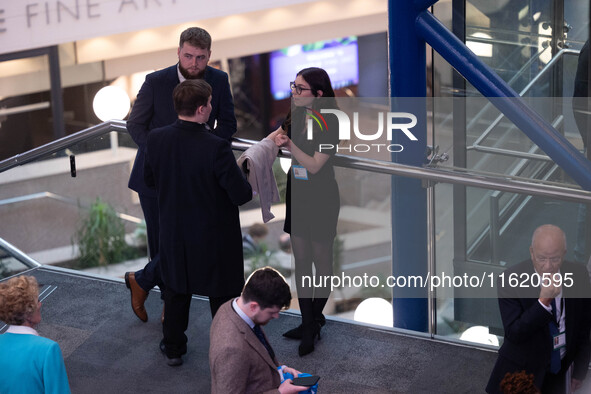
column 185, row 73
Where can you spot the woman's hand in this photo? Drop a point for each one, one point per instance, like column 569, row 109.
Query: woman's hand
column 283, row 141
column 275, row 133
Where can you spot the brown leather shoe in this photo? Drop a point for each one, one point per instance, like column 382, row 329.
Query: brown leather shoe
column 138, row 296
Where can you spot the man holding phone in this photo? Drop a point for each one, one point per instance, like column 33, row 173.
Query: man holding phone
column 241, row 359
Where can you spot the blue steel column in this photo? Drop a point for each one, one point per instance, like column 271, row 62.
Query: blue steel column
column 409, row 198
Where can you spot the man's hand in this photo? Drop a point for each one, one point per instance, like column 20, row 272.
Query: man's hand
column 548, row 291
column 575, row 384
column 292, row 371
column 287, row 387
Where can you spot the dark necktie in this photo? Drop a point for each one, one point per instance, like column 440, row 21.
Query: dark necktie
column 554, row 331
column 259, row 333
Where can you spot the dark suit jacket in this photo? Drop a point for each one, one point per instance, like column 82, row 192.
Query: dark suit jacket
column 528, row 345
column 199, row 189
column 154, row 108
column 238, row 361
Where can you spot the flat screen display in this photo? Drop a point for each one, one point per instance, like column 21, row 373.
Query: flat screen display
column 339, row 57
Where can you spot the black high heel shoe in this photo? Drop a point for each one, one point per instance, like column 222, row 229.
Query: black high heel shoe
column 309, row 335
column 296, row 333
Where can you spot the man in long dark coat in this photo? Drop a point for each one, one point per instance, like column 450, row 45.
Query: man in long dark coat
column 199, row 188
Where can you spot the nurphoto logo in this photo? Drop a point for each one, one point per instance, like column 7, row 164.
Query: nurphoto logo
column 319, row 120
column 393, row 122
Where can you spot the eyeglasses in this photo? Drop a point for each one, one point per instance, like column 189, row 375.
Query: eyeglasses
column 552, row 260
column 298, row 89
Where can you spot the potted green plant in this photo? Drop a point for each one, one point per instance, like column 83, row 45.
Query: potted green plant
column 101, row 237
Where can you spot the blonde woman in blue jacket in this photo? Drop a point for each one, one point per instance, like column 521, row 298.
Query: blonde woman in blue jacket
column 28, row 363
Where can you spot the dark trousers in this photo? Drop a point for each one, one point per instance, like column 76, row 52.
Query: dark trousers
column 150, row 275
column 176, row 319
column 555, row 383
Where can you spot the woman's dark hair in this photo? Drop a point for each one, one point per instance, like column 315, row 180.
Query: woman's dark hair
column 318, row 79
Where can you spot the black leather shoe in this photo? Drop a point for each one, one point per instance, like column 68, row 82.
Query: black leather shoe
column 172, row 361
column 138, row 296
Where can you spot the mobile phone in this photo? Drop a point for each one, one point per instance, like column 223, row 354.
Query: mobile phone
column 307, row 381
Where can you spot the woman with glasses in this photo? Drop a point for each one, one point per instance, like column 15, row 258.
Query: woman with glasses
column 312, row 197
column 28, row 363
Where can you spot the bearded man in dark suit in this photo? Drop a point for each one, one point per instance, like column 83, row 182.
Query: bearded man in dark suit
column 154, row 108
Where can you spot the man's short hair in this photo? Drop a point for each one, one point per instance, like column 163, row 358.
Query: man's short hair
column 190, row 95
column 196, row 37
column 268, row 288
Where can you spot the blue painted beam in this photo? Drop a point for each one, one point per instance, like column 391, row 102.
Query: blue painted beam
column 409, row 199
column 504, row 98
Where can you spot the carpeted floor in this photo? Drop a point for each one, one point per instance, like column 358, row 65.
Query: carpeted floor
column 108, row 350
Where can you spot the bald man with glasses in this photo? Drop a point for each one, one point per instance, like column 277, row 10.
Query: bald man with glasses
column 546, row 317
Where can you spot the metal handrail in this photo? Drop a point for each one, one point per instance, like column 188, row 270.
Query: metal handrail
column 518, row 74
column 18, row 254
column 454, row 176
column 573, row 162
column 62, row 143
column 519, row 154
column 66, row 200
column 476, row 145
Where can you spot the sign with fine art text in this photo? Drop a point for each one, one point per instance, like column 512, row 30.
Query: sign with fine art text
column 38, row 23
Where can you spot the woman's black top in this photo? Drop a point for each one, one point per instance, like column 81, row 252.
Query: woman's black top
column 313, row 204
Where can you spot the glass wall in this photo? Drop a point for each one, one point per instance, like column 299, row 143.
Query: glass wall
column 72, row 200
column 47, row 211
column 534, row 46
column 51, row 215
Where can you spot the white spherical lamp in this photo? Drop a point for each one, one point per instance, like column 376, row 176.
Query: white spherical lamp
column 375, row 311
column 479, row 334
column 111, row 102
